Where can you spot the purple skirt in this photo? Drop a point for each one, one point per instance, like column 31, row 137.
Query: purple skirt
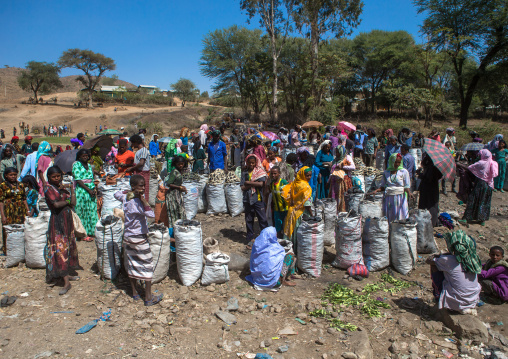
column 395, row 207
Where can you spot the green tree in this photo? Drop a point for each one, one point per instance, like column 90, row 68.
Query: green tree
column 316, row 18
column 275, row 18
column 204, row 95
column 40, row 78
column 478, row 28
column 110, row 81
column 185, row 90
column 93, row 64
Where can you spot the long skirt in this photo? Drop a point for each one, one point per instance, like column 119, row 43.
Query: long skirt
column 338, row 187
column 499, row 180
column 161, row 211
column 478, row 202
column 138, row 258
column 323, row 187
column 288, row 268
column 175, row 209
column 86, row 209
column 395, row 207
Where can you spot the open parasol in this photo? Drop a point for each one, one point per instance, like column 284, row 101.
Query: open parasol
column 64, row 160
column 473, row 146
column 165, row 139
column 442, row 158
column 110, row 131
column 103, row 142
column 346, row 126
column 310, row 124
column 270, row 135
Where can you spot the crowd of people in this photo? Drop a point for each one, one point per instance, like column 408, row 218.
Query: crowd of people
column 281, row 175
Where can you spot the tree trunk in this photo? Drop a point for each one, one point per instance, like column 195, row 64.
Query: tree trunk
column 90, row 97
column 36, row 98
column 275, row 109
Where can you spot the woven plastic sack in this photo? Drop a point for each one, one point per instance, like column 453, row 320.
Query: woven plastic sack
column 371, row 207
column 189, row 251
column 310, row 246
column 108, row 239
column 153, row 187
column 15, row 244
column 109, row 202
column 216, row 269
column 190, row 199
column 380, row 160
column 36, row 239
column 328, row 210
column 124, row 184
column 369, row 180
column 376, row 249
column 158, row 238
column 210, row 245
column 424, row 231
column 202, row 201
column 353, row 197
column 348, row 241
column 403, row 246
column 216, row 199
column 234, row 199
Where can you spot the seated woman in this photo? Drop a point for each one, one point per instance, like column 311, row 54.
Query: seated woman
column 455, row 274
column 494, row 275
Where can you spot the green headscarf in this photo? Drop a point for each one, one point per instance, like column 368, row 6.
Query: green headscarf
column 463, row 247
column 171, row 152
column 391, row 162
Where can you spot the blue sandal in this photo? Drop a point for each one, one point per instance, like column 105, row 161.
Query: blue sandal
column 136, row 297
column 155, row 299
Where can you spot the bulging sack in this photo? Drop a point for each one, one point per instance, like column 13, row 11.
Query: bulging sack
column 216, row 199
column 348, row 241
column 153, row 187
column 189, row 251
column 353, row 197
column 15, row 244
column 234, row 198
column 202, row 201
column 424, row 231
column 328, row 209
column 36, row 239
column 403, row 245
column 108, row 239
column 216, row 269
column 310, row 246
column 371, row 207
column 109, row 202
column 376, row 250
column 158, row 238
column 190, row 199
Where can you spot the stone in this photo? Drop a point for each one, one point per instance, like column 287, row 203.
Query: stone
column 433, row 326
column 287, row 331
column 360, row 344
column 466, row 326
column 414, row 348
column 232, row 304
column 349, row 355
column 158, row 329
column 404, row 323
column 395, row 348
column 283, row 348
column 313, row 320
column 331, row 330
column 320, row 341
column 302, row 316
column 335, row 314
column 226, row 317
column 268, row 342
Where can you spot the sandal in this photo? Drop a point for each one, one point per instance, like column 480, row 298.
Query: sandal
column 249, row 245
column 87, row 239
column 136, row 297
column 64, row 290
column 155, row 299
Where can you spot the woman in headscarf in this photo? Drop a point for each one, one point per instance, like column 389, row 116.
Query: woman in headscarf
column 153, row 147
column 42, row 163
column 271, row 160
column 392, row 147
column 8, row 159
column 15, row 144
column 86, row 194
column 13, row 206
column 324, row 159
column 429, row 177
column 340, row 180
column 170, row 153
column 304, row 158
column 478, row 202
column 384, row 139
column 76, row 143
column 492, row 145
column 396, row 185
column 174, row 201
column 455, row 274
column 198, row 153
column 184, row 136
column 96, row 160
column 26, row 149
column 257, row 148
column 298, row 197
column 62, row 252
column 202, row 134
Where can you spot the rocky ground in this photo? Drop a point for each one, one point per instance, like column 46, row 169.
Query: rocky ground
column 185, row 325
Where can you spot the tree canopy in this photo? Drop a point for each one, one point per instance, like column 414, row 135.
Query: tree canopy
column 40, row 78
column 185, row 90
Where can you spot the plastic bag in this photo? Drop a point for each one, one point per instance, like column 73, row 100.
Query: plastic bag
column 380, row 160
column 266, row 259
column 190, row 199
column 328, row 209
column 153, row 188
column 210, row 245
column 376, row 249
column 202, row 201
column 348, row 241
column 369, row 180
column 15, row 244
column 109, row 202
column 216, row 199
column 216, row 269
column 234, row 199
column 424, row 231
column 158, row 238
column 189, row 251
column 353, row 197
column 36, row 239
column 371, row 207
column 310, row 246
column 108, row 239
column 403, row 245
column 269, row 212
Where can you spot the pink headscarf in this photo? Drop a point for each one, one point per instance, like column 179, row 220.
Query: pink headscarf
column 389, row 132
column 179, row 143
column 204, row 127
column 485, row 169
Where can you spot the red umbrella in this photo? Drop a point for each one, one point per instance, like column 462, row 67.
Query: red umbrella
column 347, row 126
column 442, row 158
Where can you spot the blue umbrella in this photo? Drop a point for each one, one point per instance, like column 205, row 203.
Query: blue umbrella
column 473, row 146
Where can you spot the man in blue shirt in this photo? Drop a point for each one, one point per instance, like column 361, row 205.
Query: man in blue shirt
column 391, row 148
column 359, row 137
column 217, row 153
column 408, row 162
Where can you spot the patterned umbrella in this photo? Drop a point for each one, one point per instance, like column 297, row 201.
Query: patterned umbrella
column 442, row 158
column 270, row 135
column 473, row 146
column 347, row 126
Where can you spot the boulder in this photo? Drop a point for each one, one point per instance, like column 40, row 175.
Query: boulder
column 465, row 326
column 360, row 345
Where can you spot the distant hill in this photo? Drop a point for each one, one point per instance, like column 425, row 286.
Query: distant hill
column 9, row 84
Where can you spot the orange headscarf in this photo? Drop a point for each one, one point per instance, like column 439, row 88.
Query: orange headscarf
column 296, row 194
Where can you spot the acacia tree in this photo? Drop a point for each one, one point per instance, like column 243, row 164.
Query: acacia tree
column 468, row 28
column 315, row 18
column 39, row 77
column 277, row 25
column 185, row 90
column 93, row 64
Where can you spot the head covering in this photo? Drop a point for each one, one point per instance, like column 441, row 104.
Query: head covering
column 340, row 154
column 184, row 132
column 75, row 140
column 153, row 136
column 43, row 150
column 391, row 162
column 463, row 247
column 389, row 132
column 179, row 143
column 327, row 142
column 302, row 149
column 204, row 127
column 68, row 147
column 477, row 140
column 258, row 171
column 255, row 139
column 14, row 138
column 492, row 145
column 32, row 181
column 29, row 138
column 295, row 195
column 342, row 140
column 450, row 129
column 485, row 169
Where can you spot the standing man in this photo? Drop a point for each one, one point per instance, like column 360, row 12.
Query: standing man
column 359, row 138
column 408, row 162
column 217, row 153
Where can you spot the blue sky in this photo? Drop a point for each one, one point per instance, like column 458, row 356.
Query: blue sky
column 152, row 42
